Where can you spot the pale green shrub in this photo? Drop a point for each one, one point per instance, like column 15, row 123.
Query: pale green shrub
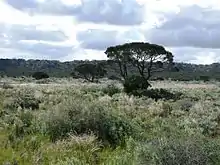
column 184, row 151
column 111, row 89
column 78, row 116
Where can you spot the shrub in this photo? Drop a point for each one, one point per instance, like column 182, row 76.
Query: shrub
column 185, row 151
column 158, row 79
column 28, row 101
column 21, row 126
column 75, row 75
column 113, row 77
column 204, row 78
column 157, row 94
column 185, row 104
column 134, row 83
column 23, row 99
column 75, row 150
column 111, row 89
column 43, row 81
column 6, row 86
column 80, row 117
column 91, row 72
column 26, row 117
column 40, row 75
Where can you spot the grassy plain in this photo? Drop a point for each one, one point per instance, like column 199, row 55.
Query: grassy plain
column 68, row 122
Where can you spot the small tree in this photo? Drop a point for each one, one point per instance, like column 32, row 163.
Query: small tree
column 146, row 57
column 91, row 72
column 40, row 75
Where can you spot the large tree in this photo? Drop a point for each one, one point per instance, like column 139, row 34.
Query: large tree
column 146, row 57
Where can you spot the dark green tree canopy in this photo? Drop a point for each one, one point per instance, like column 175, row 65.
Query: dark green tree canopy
column 146, row 57
column 40, row 75
column 90, row 71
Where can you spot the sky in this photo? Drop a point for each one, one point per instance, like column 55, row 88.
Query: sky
column 69, row 30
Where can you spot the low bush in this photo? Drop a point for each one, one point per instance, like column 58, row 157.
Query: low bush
column 22, row 99
column 80, row 117
column 113, row 77
column 43, row 81
column 204, row 78
column 40, row 75
column 185, row 151
column 6, row 86
column 158, row 94
column 111, row 89
column 185, row 104
column 134, row 83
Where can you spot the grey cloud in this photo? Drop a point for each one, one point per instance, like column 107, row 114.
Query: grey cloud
column 39, row 49
column 124, row 12
column 53, row 7
column 193, row 27
column 29, row 40
column 22, row 5
column 45, row 49
column 185, row 54
column 96, row 39
column 195, row 55
column 101, row 39
column 23, row 32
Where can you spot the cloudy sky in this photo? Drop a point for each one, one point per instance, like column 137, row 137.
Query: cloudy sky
column 82, row 29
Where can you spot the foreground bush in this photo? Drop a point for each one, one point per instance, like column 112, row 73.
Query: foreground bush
column 83, row 125
column 80, row 117
column 185, row 151
column 24, row 99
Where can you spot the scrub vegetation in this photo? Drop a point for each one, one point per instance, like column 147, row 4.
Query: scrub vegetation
column 66, row 121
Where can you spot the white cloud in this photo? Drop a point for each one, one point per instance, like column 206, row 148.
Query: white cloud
column 192, row 26
column 195, row 55
column 82, row 29
column 24, row 32
column 119, row 12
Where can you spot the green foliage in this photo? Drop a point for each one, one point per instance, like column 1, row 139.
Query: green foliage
column 113, row 77
column 24, row 99
column 40, row 75
column 158, row 79
column 182, row 151
column 99, row 124
column 90, row 72
column 180, row 72
column 161, row 93
column 79, row 117
column 147, row 58
column 185, row 104
column 204, row 78
column 111, row 89
column 7, row 86
column 134, row 83
column 137, row 86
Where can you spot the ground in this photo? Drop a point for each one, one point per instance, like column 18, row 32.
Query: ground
column 65, row 121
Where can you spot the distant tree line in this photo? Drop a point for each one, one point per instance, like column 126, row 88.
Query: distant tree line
column 180, row 71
